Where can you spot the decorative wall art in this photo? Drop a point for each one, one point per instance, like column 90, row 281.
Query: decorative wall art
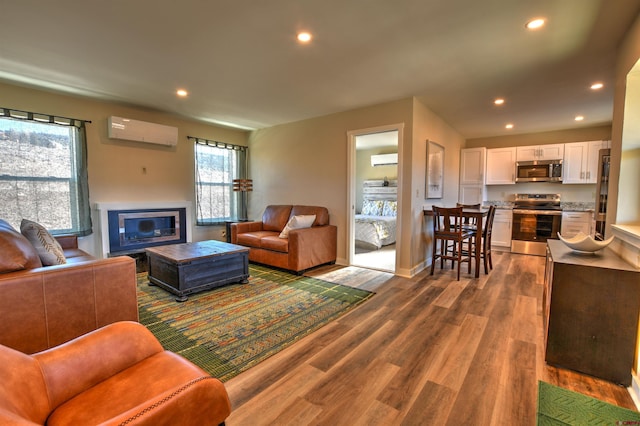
column 435, row 170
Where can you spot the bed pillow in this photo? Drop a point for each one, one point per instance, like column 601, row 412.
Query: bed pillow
column 298, row 222
column 390, row 208
column 48, row 248
column 372, row 207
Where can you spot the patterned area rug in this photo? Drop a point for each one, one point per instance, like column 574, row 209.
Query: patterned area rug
column 558, row 406
column 231, row 328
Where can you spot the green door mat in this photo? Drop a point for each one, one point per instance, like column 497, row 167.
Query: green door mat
column 558, row 406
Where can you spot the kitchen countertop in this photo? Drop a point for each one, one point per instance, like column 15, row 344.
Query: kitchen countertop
column 578, row 206
column 499, row 204
column 571, row 206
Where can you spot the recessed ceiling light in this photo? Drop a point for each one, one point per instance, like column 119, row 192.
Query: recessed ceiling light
column 579, row 117
column 304, row 37
column 182, row 93
column 499, row 101
column 596, row 86
column 509, row 126
column 534, row 24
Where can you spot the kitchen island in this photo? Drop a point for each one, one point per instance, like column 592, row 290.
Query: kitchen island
column 591, row 304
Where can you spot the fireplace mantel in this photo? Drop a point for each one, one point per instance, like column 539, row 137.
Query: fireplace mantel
column 103, row 208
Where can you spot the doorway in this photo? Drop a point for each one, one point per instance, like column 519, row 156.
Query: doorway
column 374, row 197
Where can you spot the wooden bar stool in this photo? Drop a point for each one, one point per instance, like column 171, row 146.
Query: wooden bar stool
column 486, row 240
column 469, row 223
column 448, row 229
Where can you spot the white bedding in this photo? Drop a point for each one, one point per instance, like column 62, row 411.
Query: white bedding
column 376, row 231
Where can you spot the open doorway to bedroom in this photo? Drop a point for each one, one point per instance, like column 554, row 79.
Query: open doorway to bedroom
column 374, row 198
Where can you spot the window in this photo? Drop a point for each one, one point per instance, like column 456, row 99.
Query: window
column 43, row 174
column 217, row 165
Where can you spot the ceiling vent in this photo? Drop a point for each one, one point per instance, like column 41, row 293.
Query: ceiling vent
column 141, row 131
column 384, row 159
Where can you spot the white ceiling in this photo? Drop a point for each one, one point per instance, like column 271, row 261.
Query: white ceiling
column 241, row 63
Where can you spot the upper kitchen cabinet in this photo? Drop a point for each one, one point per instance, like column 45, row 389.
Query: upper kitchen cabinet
column 540, row 152
column 581, row 161
column 472, row 166
column 501, row 166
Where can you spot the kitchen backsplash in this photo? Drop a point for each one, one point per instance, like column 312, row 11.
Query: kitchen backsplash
column 568, row 193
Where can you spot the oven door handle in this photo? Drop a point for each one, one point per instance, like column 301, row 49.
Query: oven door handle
column 538, row 212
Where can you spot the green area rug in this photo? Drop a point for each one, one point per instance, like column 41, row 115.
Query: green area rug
column 231, row 328
column 558, row 406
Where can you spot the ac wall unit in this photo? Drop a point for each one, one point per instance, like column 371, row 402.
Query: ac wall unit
column 141, row 131
column 384, row 159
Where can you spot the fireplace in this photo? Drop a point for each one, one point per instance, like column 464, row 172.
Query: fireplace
column 127, row 228
column 133, row 230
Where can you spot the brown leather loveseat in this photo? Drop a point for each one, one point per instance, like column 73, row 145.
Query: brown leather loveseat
column 44, row 306
column 301, row 249
column 116, row 375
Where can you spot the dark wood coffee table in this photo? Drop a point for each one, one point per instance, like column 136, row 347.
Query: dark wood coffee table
column 183, row 269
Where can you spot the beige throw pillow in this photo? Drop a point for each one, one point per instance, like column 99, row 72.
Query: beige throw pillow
column 48, row 248
column 298, row 222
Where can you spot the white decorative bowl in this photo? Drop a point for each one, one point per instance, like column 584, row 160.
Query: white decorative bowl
column 584, row 243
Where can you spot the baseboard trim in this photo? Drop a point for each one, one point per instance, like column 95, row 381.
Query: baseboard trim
column 634, row 390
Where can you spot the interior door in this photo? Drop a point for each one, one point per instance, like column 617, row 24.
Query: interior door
column 362, row 145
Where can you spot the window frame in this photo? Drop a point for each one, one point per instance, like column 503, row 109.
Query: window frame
column 235, row 168
column 77, row 220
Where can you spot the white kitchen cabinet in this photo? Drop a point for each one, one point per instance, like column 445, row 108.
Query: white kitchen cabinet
column 501, row 232
column 540, row 152
column 574, row 222
column 472, row 168
column 471, row 194
column 581, row 161
column 472, row 164
column 501, row 166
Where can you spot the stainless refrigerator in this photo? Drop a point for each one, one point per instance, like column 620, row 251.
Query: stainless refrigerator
column 602, row 193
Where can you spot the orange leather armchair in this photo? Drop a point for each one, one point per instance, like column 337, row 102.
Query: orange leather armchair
column 118, row 374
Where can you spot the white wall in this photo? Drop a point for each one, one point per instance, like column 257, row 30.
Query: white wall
column 306, row 163
column 428, row 126
column 122, row 171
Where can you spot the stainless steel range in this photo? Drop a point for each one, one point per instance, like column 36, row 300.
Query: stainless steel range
column 536, row 218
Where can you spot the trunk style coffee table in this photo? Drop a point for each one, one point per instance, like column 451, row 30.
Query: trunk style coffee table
column 183, row 269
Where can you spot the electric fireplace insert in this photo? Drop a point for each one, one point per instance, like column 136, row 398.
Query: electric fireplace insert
column 134, row 230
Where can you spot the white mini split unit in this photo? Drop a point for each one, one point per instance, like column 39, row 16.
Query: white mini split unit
column 384, row 159
column 141, row 131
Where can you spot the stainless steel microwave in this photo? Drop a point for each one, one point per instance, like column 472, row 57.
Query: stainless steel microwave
column 539, row 171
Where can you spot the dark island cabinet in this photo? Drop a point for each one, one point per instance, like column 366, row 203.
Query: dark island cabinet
column 591, row 304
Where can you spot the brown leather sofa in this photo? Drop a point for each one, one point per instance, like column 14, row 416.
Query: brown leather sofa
column 44, row 306
column 116, row 375
column 303, row 249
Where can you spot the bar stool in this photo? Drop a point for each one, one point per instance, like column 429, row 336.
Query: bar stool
column 469, row 223
column 486, row 240
column 448, row 228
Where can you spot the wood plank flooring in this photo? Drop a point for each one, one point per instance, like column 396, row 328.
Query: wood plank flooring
column 423, row 351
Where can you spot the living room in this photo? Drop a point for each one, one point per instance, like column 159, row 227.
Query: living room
column 305, row 161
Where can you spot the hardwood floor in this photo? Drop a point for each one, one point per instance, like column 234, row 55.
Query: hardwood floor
column 422, row 351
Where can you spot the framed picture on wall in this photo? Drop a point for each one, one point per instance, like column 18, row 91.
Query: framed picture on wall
column 435, row 170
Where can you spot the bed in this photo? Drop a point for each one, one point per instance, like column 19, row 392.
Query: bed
column 375, row 225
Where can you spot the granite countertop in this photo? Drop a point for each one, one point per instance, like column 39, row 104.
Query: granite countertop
column 507, row 205
column 578, row 206
column 566, row 206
